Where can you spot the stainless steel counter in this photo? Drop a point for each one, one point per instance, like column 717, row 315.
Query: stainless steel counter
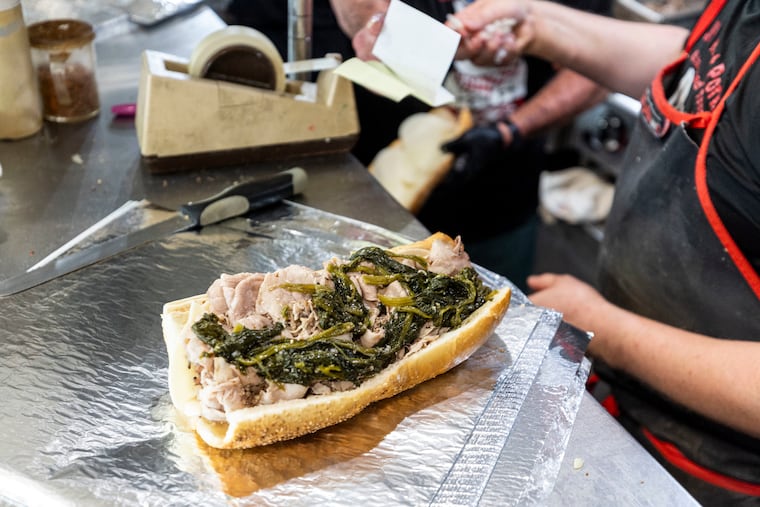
column 57, row 183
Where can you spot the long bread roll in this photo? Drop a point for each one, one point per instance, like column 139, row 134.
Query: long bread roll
column 324, row 403
column 414, row 163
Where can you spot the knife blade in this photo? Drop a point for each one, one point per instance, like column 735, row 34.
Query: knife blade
column 234, row 201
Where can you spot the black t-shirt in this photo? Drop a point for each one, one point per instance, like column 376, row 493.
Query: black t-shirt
column 734, row 168
column 733, row 160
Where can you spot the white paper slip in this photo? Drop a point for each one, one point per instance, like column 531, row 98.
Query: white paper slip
column 414, row 51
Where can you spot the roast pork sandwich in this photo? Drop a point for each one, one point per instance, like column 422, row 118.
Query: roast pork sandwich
column 266, row 357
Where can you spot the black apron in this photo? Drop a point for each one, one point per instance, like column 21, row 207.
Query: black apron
column 667, row 256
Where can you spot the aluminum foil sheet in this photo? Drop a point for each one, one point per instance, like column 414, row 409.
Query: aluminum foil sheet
column 88, row 420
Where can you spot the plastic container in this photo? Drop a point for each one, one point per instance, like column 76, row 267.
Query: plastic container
column 63, row 53
column 20, row 107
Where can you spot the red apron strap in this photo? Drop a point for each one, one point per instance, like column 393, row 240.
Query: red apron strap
column 700, row 175
column 675, row 457
column 707, row 17
column 676, row 117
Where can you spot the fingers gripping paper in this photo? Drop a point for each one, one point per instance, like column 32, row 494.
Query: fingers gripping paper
column 414, row 51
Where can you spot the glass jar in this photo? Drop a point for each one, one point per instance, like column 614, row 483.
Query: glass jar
column 63, row 53
column 20, row 107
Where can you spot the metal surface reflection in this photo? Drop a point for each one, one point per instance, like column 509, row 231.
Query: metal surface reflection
column 89, row 419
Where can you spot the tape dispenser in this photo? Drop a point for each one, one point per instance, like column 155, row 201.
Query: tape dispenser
column 232, row 103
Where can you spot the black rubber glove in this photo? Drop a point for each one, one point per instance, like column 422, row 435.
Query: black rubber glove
column 475, row 151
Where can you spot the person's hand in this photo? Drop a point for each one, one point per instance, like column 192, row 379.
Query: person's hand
column 581, row 305
column 494, row 32
column 365, row 39
column 475, row 150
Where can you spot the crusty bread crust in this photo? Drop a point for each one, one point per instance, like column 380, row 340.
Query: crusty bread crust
column 266, row 424
column 427, row 180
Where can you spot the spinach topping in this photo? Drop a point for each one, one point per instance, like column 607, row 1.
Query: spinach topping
column 328, row 355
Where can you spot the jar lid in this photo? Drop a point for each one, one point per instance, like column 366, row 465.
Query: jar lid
column 62, row 34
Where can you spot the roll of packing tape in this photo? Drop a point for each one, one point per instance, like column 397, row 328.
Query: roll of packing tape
column 239, row 54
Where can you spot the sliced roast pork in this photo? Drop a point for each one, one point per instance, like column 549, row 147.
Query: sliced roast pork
column 258, row 301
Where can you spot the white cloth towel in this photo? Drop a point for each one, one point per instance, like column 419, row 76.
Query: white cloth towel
column 576, row 195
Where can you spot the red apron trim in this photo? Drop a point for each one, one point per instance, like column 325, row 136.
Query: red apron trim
column 676, row 458
column 592, row 381
column 609, row 402
column 611, row 406
column 700, row 175
column 699, row 120
column 676, row 117
column 707, row 17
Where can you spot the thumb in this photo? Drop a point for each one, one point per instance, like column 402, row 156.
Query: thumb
column 364, row 40
column 375, row 23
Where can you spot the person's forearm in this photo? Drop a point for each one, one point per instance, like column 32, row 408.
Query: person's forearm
column 622, row 56
column 352, row 15
column 717, row 378
column 562, row 98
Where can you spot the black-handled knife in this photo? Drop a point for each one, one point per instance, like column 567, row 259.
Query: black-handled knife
column 236, row 200
column 242, row 198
